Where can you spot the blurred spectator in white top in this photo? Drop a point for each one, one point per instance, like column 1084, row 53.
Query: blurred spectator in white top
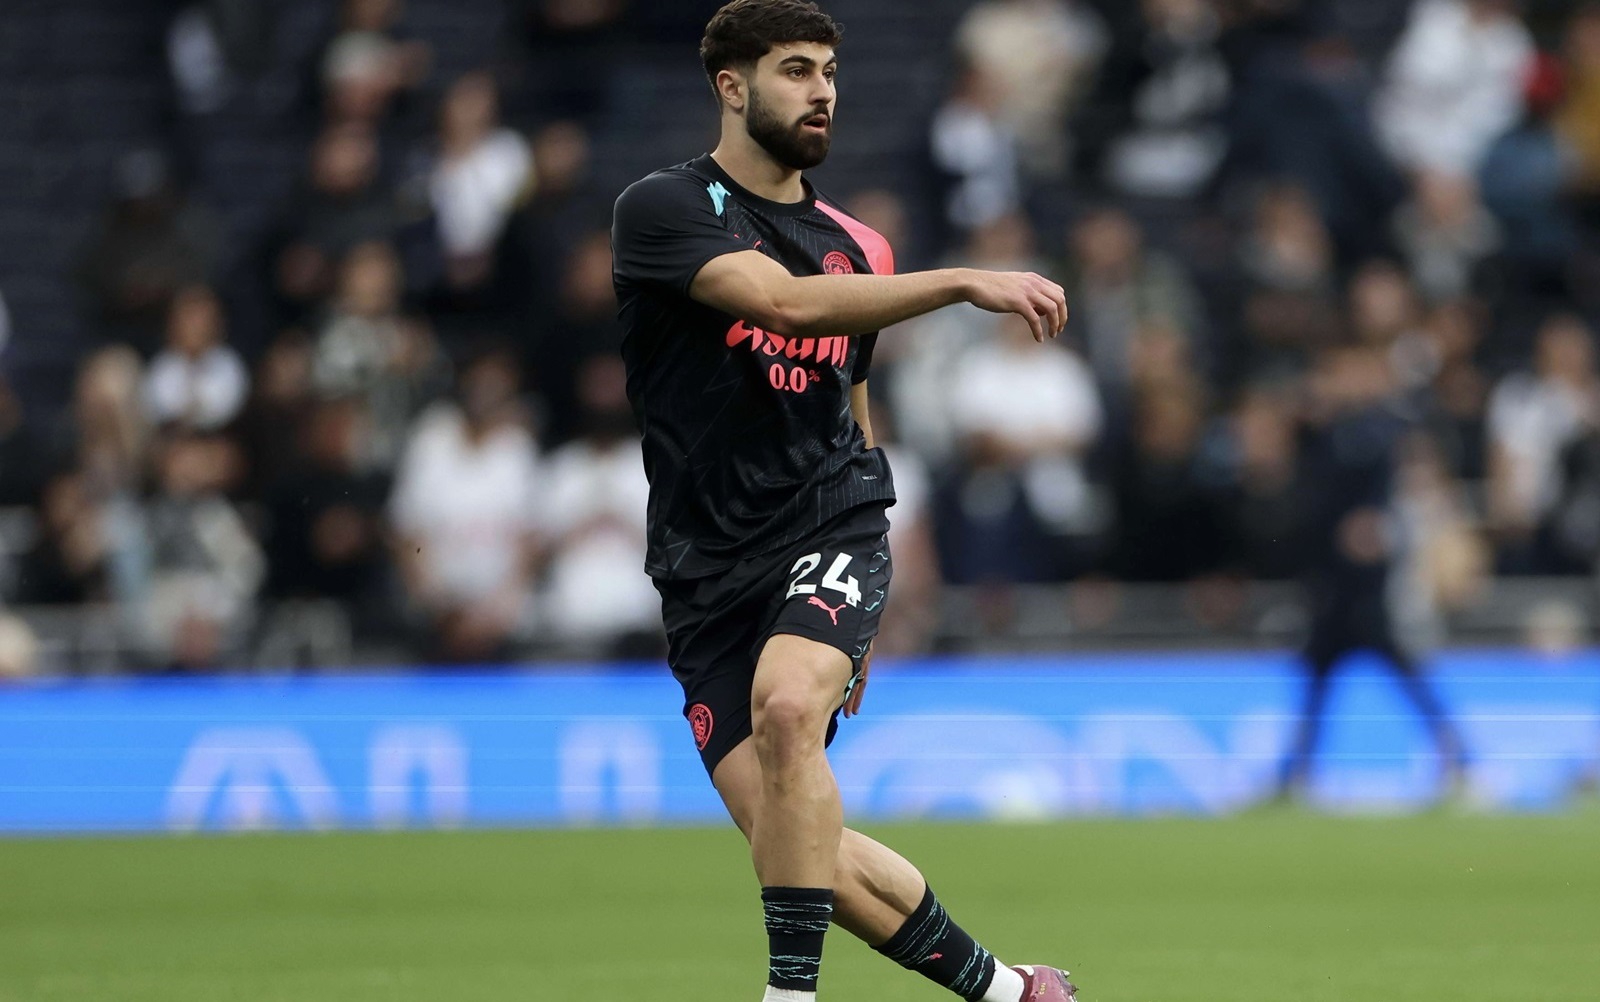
column 1533, row 417
column 152, row 241
column 1454, row 83
column 1157, row 111
column 368, row 63
column 481, row 172
column 197, row 379
column 466, row 511
column 1031, row 409
column 1117, row 288
column 1445, row 233
column 368, row 347
column 976, row 153
column 1039, row 54
column 1020, row 500
column 927, row 363
column 599, row 600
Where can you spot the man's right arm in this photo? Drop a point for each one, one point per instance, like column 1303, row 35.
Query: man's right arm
column 754, row 287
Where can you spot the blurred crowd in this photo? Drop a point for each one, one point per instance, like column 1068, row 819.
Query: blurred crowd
column 1334, row 283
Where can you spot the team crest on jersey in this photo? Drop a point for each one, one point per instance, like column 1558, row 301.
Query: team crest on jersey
column 836, row 263
column 700, row 720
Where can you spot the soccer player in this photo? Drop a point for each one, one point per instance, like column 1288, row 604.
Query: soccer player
column 751, row 303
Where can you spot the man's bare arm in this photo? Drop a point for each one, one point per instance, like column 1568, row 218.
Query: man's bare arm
column 754, row 287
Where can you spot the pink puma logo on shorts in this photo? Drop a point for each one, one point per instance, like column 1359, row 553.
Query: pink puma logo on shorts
column 833, row 613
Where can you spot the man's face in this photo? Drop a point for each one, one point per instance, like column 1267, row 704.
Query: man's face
column 790, row 108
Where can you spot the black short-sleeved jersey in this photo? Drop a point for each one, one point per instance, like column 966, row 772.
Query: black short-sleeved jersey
column 749, row 441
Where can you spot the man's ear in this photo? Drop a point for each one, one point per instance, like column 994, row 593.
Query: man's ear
column 731, row 89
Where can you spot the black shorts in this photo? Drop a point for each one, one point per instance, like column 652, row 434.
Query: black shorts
column 829, row 587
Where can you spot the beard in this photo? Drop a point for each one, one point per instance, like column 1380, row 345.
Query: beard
column 786, row 142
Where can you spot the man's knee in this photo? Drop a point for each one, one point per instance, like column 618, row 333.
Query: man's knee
column 798, row 685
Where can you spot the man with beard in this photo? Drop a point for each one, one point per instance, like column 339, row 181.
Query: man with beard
column 750, row 303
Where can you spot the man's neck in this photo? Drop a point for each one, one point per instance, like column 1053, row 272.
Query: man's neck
column 756, row 171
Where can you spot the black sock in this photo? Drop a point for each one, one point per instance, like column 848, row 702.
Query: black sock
column 936, row 948
column 797, row 918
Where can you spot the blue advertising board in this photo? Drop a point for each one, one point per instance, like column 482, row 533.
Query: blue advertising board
column 977, row 737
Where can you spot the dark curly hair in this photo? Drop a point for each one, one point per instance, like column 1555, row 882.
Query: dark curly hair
column 743, row 31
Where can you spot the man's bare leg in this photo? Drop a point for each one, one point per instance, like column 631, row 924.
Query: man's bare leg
column 796, row 817
column 882, row 899
column 795, row 837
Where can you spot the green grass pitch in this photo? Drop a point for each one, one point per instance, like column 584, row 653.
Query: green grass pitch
column 1266, row 908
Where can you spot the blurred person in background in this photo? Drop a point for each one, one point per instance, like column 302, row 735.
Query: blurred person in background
column 1454, row 84
column 561, row 203
column 1352, row 546
column 1454, row 400
column 1260, row 502
column 1575, row 520
column 370, row 64
column 188, row 573
column 197, row 380
column 1024, row 418
column 582, row 325
column 1527, row 178
column 1289, row 288
column 367, row 346
column 152, row 240
column 1533, row 417
column 480, row 171
column 1154, row 125
column 214, row 46
column 324, row 533
column 570, row 47
column 1299, row 113
column 109, row 433
column 1039, row 56
column 19, row 648
column 270, row 427
column 343, row 202
column 598, row 599
column 68, row 561
column 927, row 372
column 1577, row 119
column 1445, row 563
column 1170, row 526
column 1446, row 234
column 1384, row 312
column 466, row 515
column 974, row 155
column 1119, row 287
